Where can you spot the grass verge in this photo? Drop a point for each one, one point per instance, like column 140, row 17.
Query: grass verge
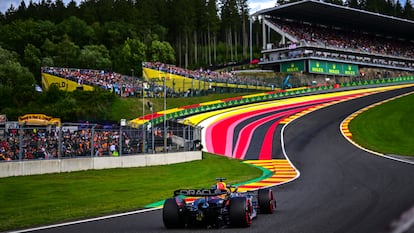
column 387, row 128
column 44, row 199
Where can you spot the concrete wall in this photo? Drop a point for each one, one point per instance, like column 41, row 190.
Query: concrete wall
column 34, row 167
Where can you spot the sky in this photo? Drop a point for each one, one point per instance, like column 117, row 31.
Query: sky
column 254, row 5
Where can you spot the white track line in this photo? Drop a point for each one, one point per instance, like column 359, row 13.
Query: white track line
column 282, row 143
column 365, row 149
column 401, row 229
column 406, row 221
column 85, row 220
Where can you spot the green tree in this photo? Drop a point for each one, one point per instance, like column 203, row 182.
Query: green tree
column 408, row 11
column 229, row 19
column 65, row 108
column 77, row 30
column 16, row 82
column 48, row 48
column 95, row 57
column 43, row 29
column 22, row 10
column 244, row 15
column 93, row 105
column 352, row 4
column 182, row 20
column 32, row 60
column 375, row 5
column 58, row 10
column 162, row 51
column 113, row 33
column 126, row 10
column 8, row 56
column 133, row 54
column 72, row 8
column 213, row 29
column 47, row 61
column 52, row 95
column 43, row 10
column 66, row 53
column 337, row 2
column 88, row 12
column 16, row 35
column 398, row 9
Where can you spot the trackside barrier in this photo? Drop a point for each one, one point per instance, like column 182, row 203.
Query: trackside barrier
column 35, row 167
column 73, row 140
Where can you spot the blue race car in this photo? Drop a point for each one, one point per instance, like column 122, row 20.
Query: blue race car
column 221, row 205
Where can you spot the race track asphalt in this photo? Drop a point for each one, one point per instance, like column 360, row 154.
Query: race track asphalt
column 341, row 187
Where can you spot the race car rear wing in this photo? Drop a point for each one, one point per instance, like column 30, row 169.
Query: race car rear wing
column 199, row 192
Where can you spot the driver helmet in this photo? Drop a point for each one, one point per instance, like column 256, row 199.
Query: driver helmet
column 221, row 186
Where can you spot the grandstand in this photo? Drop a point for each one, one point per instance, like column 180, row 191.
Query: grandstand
column 326, row 42
column 178, row 81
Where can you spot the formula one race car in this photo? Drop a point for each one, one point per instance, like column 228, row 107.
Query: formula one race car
column 221, row 205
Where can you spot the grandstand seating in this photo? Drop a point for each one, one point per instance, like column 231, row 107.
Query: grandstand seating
column 227, row 77
column 374, row 49
column 179, row 80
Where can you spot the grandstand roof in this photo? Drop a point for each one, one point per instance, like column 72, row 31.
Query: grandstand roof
column 331, row 14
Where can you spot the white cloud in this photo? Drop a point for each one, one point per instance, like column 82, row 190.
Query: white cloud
column 256, row 5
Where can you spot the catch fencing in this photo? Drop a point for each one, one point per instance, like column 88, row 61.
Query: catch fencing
column 72, row 140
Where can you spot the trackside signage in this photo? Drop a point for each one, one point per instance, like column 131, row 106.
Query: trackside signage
column 332, row 68
column 351, row 70
column 63, row 84
column 198, row 192
column 292, row 67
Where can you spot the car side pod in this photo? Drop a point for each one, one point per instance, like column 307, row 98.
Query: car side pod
column 267, row 203
column 240, row 212
column 174, row 213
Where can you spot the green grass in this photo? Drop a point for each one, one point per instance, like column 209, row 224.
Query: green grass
column 387, row 128
column 43, row 199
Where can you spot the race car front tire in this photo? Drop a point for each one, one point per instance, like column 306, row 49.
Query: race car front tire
column 173, row 213
column 267, row 203
column 240, row 212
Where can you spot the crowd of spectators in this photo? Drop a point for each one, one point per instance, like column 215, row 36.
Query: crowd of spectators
column 347, row 40
column 318, row 36
column 122, row 85
column 43, row 143
column 207, row 75
column 128, row 86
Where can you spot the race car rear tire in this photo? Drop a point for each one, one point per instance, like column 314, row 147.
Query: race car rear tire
column 173, row 215
column 267, row 203
column 240, row 212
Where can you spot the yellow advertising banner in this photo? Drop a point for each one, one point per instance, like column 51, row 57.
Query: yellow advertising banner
column 63, row 84
column 38, row 119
